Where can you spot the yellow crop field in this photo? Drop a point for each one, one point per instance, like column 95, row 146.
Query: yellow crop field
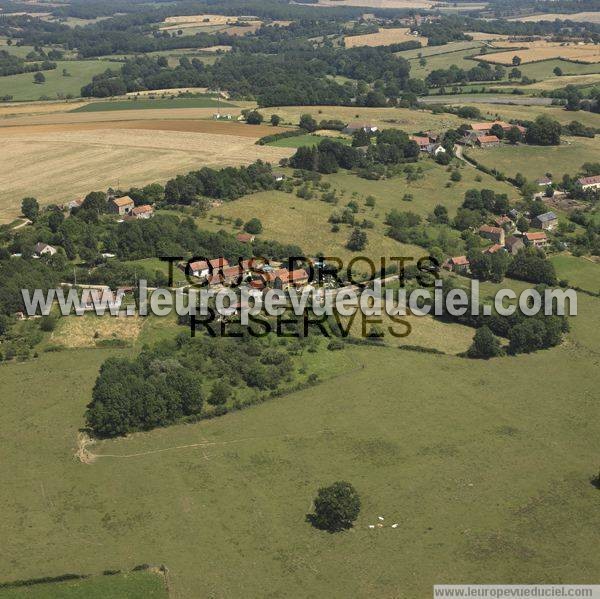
column 91, row 330
column 554, row 83
column 384, row 37
column 580, row 17
column 206, row 20
column 543, row 50
column 58, row 161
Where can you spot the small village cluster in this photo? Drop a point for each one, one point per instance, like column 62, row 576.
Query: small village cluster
column 505, row 237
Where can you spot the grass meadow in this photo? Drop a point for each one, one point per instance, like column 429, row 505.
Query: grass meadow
column 535, row 161
column 480, row 463
column 80, row 73
column 133, row 585
column 579, row 271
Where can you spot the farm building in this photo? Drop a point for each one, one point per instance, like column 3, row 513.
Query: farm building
column 494, row 234
column 351, row 128
column 422, row 142
column 535, row 239
column 513, row 245
column 493, row 249
column 143, row 211
column 546, row 221
column 543, row 181
column 487, row 141
column 245, row 237
column 500, row 221
column 121, row 206
column 458, row 264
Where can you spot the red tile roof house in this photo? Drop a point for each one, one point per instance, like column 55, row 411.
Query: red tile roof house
column 458, row 264
column 493, row 249
column 589, row 182
column 495, row 234
column 143, row 211
column 202, row 268
column 422, row 142
column 121, row 206
column 537, row 240
column 245, row 237
column 487, row 141
column 503, row 220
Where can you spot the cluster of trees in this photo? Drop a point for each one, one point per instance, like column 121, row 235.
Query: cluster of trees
column 393, row 147
column 477, row 205
column 228, row 183
column 455, row 75
column 175, row 379
column 14, row 65
column 525, row 333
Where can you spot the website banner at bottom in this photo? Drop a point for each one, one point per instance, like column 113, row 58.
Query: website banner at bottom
column 518, row 591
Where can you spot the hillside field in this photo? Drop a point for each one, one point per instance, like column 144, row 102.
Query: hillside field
column 535, row 161
column 478, row 475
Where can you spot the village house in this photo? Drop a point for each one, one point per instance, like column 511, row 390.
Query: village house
column 537, row 240
column 422, row 142
column 143, row 211
column 202, row 268
column 487, row 141
column 73, row 204
column 502, row 221
column 245, row 237
column 546, row 221
column 589, row 182
column 513, row 245
column 543, row 181
column 459, row 264
column 121, row 206
column 492, row 249
column 43, row 249
column 485, row 128
column 433, row 149
column 494, row 234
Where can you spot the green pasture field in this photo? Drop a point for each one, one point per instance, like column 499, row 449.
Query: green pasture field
column 443, row 61
column 535, row 161
column 305, row 140
column 288, row 218
column 543, row 70
column 133, row 585
column 487, row 481
column 579, row 271
column 139, row 104
column 22, row 87
column 529, row 113
column 449, row 49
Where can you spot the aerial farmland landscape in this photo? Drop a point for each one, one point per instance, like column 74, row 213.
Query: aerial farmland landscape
column 299, row 298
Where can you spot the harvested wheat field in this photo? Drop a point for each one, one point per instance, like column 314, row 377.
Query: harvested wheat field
column 579, row 17
column 543, row 50
column 32, row 108
column 93, row 331
column 384, row 37
column 378, row 3
column 554, row 83
column 56, row 162
column 184, row 22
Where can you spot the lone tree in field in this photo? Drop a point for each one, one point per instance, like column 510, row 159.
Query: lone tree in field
column 357, row 240
column 516, row 60
column 30, row 208
column 39, row 77
column 485, row 345
column 254, row 118
column 253, row 226
column 336, row 507
column 275, row 120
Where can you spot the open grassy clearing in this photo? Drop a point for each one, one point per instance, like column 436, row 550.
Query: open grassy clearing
column 305, row 140
column 478, row 475
column 544, row 70
column 94, row 331
column 401, row 118
column 579, row 271
column 287, row 218
column 384, row 37
column 535, row 161
column 155, row 104
column 22, row 87
column 529, row 113
column 133, row 585
column 443, row 61
column 130, row 153
column 563, row 81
